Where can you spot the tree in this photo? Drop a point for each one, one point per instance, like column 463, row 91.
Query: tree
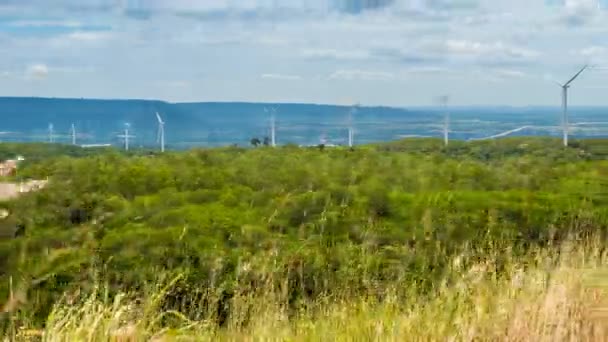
column 266, row 141
column 255, row 142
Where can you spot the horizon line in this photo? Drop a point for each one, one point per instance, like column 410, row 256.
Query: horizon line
column 299, row 103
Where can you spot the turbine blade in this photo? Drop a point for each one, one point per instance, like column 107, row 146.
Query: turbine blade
column 160, row 120
column 575, row 76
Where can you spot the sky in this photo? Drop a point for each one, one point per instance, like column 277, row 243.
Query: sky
column 372, row 52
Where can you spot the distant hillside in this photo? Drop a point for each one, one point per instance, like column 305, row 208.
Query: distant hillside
column 99, row 121
column 216, row 123
column 28, row 118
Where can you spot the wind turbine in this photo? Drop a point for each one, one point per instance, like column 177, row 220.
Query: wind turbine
column 565, row 87
column 351, row 131
column 323, row 138
column 273, row 112
column 51, row 133
column 443, row 100
column 126, row 136
column 160, row 136
column 73, row 131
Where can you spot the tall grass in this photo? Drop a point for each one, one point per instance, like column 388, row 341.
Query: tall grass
column 549, row 295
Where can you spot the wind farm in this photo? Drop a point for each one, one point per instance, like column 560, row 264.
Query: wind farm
column 303, row 170
column 301, row 124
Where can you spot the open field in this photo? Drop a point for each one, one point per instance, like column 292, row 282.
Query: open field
column 492, row 240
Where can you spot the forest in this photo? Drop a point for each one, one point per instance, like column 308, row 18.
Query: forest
column 209, row 238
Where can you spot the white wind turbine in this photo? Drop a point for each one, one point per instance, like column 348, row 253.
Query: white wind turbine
column 51, row 133
column 443, row 100
column 273, row 135
column 126, row 136
column 565, row 87
column 160, row 135
column 351, row 130
column 73, row 132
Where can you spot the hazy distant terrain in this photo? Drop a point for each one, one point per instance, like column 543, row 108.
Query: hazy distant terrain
column 213, row 124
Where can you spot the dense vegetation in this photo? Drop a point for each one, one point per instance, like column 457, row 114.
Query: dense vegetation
column 301, row 224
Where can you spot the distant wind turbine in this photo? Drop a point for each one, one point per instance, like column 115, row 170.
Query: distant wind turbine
column 565, row 87
column 323, row 138
column 351, row 130
column 443, row 100
column 160, row 137
column 51, row 133
column 126, row 136
column 273, row 128
column 73, row 131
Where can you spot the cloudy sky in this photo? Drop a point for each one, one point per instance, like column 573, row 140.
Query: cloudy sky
column 388, row 52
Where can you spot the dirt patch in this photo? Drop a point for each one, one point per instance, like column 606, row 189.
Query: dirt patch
column 13, row 190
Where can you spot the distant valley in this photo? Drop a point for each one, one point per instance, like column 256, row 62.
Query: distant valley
column 216, row 124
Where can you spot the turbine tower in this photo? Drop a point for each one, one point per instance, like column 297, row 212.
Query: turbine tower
column 565, row 87
column 273, row 128
column 51, row 133
column 160, row 136
column 443, row 100
column 273, row 133
column 126, row 136
column 73, row 131
column 351, row 131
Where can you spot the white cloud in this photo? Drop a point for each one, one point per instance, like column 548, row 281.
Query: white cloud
column 220, row 45
column 587, row 4
column 41, row 71
column 594, row 51
column 86, row 36
column 46, row 23
column 73, row 69
column 580, row 12
column 271, row 41
column 473, row 48
column 37, row 72
column 593, row 54
column 426, row 70
column 361, row 75
column 508, row 73
column 281, row 77
column 174, row 84
column 335, row 54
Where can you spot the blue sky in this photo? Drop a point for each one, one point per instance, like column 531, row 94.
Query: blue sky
column 375, row 52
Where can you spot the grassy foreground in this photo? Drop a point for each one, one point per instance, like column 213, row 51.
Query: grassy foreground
column 401, row 241
column 542, row 297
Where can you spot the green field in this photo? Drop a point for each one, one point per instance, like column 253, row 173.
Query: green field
column 493, row 240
